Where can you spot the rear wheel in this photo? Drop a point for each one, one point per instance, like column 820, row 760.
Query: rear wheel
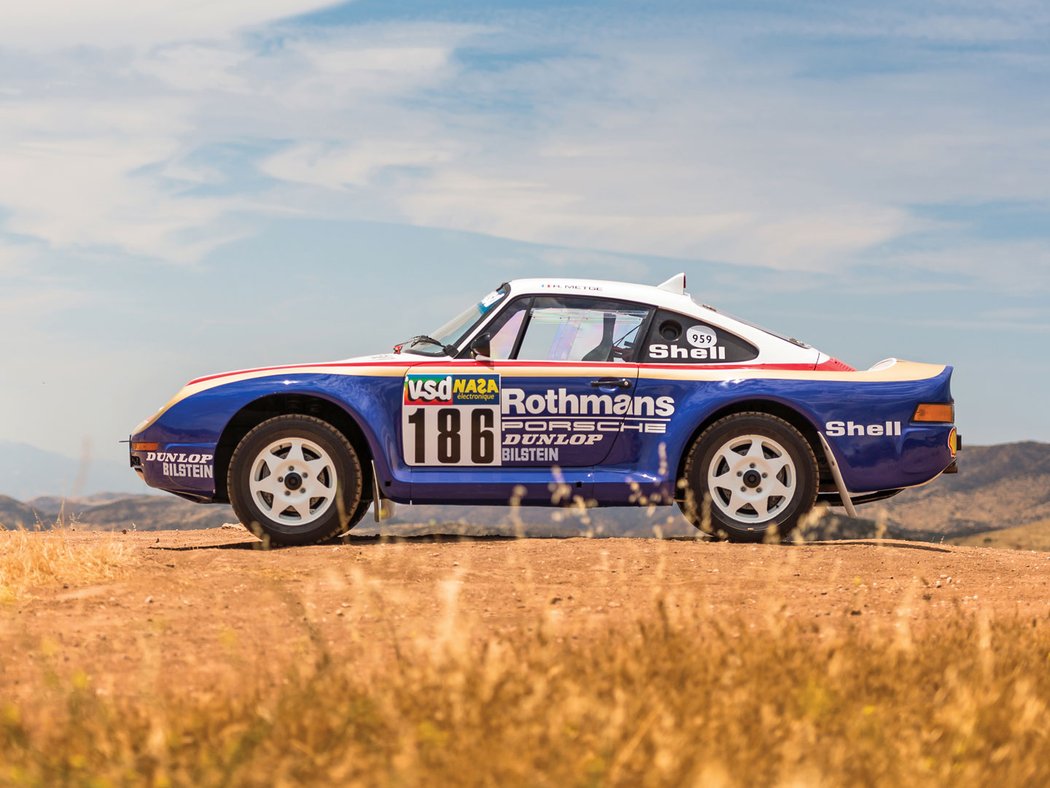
column 295, row 480
column 749, row 477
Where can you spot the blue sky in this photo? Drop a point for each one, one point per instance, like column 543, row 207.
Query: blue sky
column 187, row 188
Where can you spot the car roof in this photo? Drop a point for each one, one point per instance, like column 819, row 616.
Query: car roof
column 670, row 295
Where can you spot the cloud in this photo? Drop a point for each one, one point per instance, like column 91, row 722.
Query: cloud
column 358, row 67
column 199, row 67
column 13, row 257
column 71, row 174
column 111, row 152
column 682, row 138
column 109, row 24
column 679, row 147
column 339, row 166
column 314, row 67
column 1018, row 268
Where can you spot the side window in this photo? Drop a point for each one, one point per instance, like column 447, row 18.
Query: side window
column 678, row 339
column 568, row 328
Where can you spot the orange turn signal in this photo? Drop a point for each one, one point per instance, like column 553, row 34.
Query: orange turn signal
column 953, row 442
column 145, row 446
column 935, row 411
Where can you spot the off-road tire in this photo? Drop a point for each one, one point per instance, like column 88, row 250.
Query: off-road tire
column 344, row 476
column 772, row 437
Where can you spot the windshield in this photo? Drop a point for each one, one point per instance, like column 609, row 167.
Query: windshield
column 455, row 330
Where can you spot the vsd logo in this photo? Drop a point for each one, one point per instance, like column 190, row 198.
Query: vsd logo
column 428, row 390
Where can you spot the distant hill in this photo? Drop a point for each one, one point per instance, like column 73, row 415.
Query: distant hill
column 155, row 513
column 997, row 487
column 14, row 513
column 28, row 472
column 52, row 506
column 1034, row 536
column 114, row 511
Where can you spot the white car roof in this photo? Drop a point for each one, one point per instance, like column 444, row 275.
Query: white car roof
column 647, row 294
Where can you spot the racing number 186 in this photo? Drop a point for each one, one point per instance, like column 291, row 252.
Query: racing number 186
column 446, row 430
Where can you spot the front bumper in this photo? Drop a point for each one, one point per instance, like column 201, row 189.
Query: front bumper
column 186, row 469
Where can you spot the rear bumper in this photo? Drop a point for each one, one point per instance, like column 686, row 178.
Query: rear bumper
column 921, row 452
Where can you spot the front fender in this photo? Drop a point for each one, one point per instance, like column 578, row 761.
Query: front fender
column 195, row 424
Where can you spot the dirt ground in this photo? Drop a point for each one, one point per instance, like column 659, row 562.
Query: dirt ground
column 187, row 605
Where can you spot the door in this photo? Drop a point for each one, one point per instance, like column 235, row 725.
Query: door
column 568, row 379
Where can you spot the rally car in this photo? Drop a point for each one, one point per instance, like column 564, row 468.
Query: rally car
column 556, row 391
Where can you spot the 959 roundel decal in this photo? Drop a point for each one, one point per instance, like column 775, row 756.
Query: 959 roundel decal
column 449, row 420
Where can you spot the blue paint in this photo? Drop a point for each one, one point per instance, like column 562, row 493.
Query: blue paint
column 627, row 466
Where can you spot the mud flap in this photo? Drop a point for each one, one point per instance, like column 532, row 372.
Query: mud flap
column 847, row 501
column 377, row 503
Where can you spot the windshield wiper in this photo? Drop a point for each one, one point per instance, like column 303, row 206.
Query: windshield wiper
column 450, row 350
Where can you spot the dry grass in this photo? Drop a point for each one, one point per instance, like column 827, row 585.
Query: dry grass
column 39, row 559
column 664, row 699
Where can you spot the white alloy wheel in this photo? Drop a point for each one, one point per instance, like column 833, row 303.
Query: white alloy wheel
column 752, row 478
column 293, row 481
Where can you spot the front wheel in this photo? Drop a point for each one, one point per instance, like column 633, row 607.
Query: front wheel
column 295, row 480
column 749, row 477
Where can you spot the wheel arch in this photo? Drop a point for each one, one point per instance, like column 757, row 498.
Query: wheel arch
column 257, row 411
column 773, row 407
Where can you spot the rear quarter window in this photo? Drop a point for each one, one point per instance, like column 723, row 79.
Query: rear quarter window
column 678, row 339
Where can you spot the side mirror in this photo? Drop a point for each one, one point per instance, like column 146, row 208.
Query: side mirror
column 481, row 347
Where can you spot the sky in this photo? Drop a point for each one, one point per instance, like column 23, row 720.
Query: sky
column 187, row 188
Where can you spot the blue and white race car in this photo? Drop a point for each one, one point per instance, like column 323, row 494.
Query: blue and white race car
column 554, row 391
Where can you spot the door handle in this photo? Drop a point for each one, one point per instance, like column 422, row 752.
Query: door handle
column 609, row 383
